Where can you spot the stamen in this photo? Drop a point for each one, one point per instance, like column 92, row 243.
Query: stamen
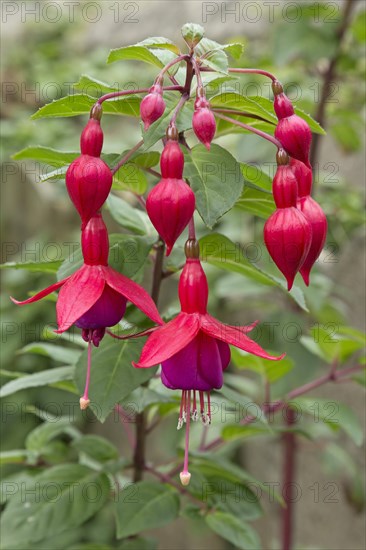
column 209, row 407
column 181, row 411
column 202, row 407
column 194, row 412
column 84, row 400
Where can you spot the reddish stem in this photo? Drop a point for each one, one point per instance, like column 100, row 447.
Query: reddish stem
column 127, row 156
column 253, row 71
column 251, row 129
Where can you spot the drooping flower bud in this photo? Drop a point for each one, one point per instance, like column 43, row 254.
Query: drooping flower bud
column 203, row 122
column 91, row 140
column 95, row 242
column 170, row 205
column 287, row 235
column 88, row 182
column 172, row 160
column 152, row 106
column 295, row 136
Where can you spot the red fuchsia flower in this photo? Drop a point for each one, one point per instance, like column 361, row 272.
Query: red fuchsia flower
column 292, row 131
column 171, row 203
column 95, row 296
column 89, row 178
column 203, row 122
column 313, row 213
column 193, row 348
column 152, row 106
column 287, row 233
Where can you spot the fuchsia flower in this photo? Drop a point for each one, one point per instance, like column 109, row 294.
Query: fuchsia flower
column 89, row 178
column 95, row 296
column 193, row 348
column 313, row 213
column 203, row 122
column 171, row 203
column 152, row 106
column 287, row 232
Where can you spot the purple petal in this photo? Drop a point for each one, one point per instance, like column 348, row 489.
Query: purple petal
column 107, row 311
column 198, row 366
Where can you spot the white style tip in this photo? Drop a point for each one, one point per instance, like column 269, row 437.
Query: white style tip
column 185, row 478
column 84, row 403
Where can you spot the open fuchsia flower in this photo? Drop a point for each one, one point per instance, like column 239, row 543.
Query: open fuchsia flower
column 193, row 348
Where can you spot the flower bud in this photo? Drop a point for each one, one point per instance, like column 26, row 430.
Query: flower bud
column 318, row 221
column 152, row 106
column 287, row 235
column 170, row 205
column 172, row 160
column 203, row 122
column 95, row 242
column 91, row 140
column 193, row 287
column 88, row 182
column 304, row 177
column 282, row 106
column 185, row 478
column 295, row 136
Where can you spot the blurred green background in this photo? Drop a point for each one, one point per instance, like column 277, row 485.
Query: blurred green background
column 43, row 53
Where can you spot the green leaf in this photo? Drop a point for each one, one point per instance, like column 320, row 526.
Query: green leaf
column 219, row 251
column 155, row 51
column 233, row 529
column 57, row 353
column 34, row 267
column 113, row 376
column 96, row 447
column 59, row 499
column 256, row 202
column 44, row 378
column 131, row 178
column 78, row 104
column 147, row 160
column 92, row 87
column 236, row 431
column 192, row 34
column 139, row 543
column 129, row 217
column 334, row 413
column 212, row 55
column 255, row 177
column 216, row 180
column 270, row 370
column 147, row 506
column 38, row 439
column 254, row 105
column 46, row 155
